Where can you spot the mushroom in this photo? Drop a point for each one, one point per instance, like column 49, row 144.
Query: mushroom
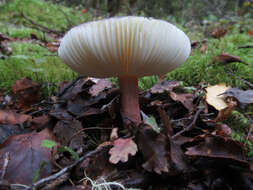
column 128, row 48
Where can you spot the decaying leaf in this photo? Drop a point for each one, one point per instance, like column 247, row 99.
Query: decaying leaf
column 26, row 157
column 69, row 133
column 177, row 156
column 154, row 148
column 13, row 118
column 26, row 92
column 219, row 33
column 185, row 99
column 224, row 113
column 227, row 58
column 53, row 46
column 164, row 86
column 100, row 86
column 121, row 150
column 242, row 96
column 9, row 130
column 214, row 96
column 219, row 147
column 203, row 48
column 250, row 33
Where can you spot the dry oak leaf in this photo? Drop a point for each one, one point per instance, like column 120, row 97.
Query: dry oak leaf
column 121, row 149
column 26, row 92
column 214, row 96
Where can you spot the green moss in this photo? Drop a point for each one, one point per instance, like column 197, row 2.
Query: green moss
column 199, row 66
column 44, row 13
column 34, row 61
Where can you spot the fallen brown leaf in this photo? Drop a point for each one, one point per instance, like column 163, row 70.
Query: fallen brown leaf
column 219, row 33
column 164, row 86
column 26, row 157
column 100, row 86
column 26, row 92
column 13, row 118
column 227, row 58
column 154, row 148
column 70, row 133
column 185, row 99
column 121, row 150
column 218, row 147
column 250, row 33
column 203, row 48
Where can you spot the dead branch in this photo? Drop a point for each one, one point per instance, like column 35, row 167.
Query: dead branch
column 62, row 174
column 189, row 127
column 5, row 165
column 41, row 27
column 70, row 24
column 247, row 46
column 239, row 78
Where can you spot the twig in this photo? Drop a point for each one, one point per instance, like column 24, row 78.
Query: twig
column 69, row 86
column 67, row 18
column 243, row 80
column 41, row 27
column 64, row 171
column 38, row 111
column 247, row 46
column 5, row 165
column 90, row 128
column 250, row 129
column 189, row 127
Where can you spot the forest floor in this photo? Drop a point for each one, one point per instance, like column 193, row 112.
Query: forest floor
column 61, row 131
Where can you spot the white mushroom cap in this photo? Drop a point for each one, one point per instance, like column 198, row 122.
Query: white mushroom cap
column 124, row 46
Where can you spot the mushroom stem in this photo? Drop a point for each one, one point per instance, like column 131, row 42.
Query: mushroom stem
column 130, row 99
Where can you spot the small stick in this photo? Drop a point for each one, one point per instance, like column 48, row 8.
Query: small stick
column 243, row 80
column 189, row 127
column 63, row 172
column 5, row 165
column 41, row 27
column 247, row 46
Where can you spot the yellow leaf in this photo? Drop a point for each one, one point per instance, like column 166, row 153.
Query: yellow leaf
column 214, row 97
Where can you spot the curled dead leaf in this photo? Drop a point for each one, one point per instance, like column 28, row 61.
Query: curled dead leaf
column 13, row 118
column 214, row 96
column 227, row 58
column 100, row 86
column 185, row 99
column 219, row 33
column 154, row 148
column 26, row 92
column 220, row 148
column 164, row 86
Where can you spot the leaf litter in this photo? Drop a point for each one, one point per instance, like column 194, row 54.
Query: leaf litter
column 191, row 150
